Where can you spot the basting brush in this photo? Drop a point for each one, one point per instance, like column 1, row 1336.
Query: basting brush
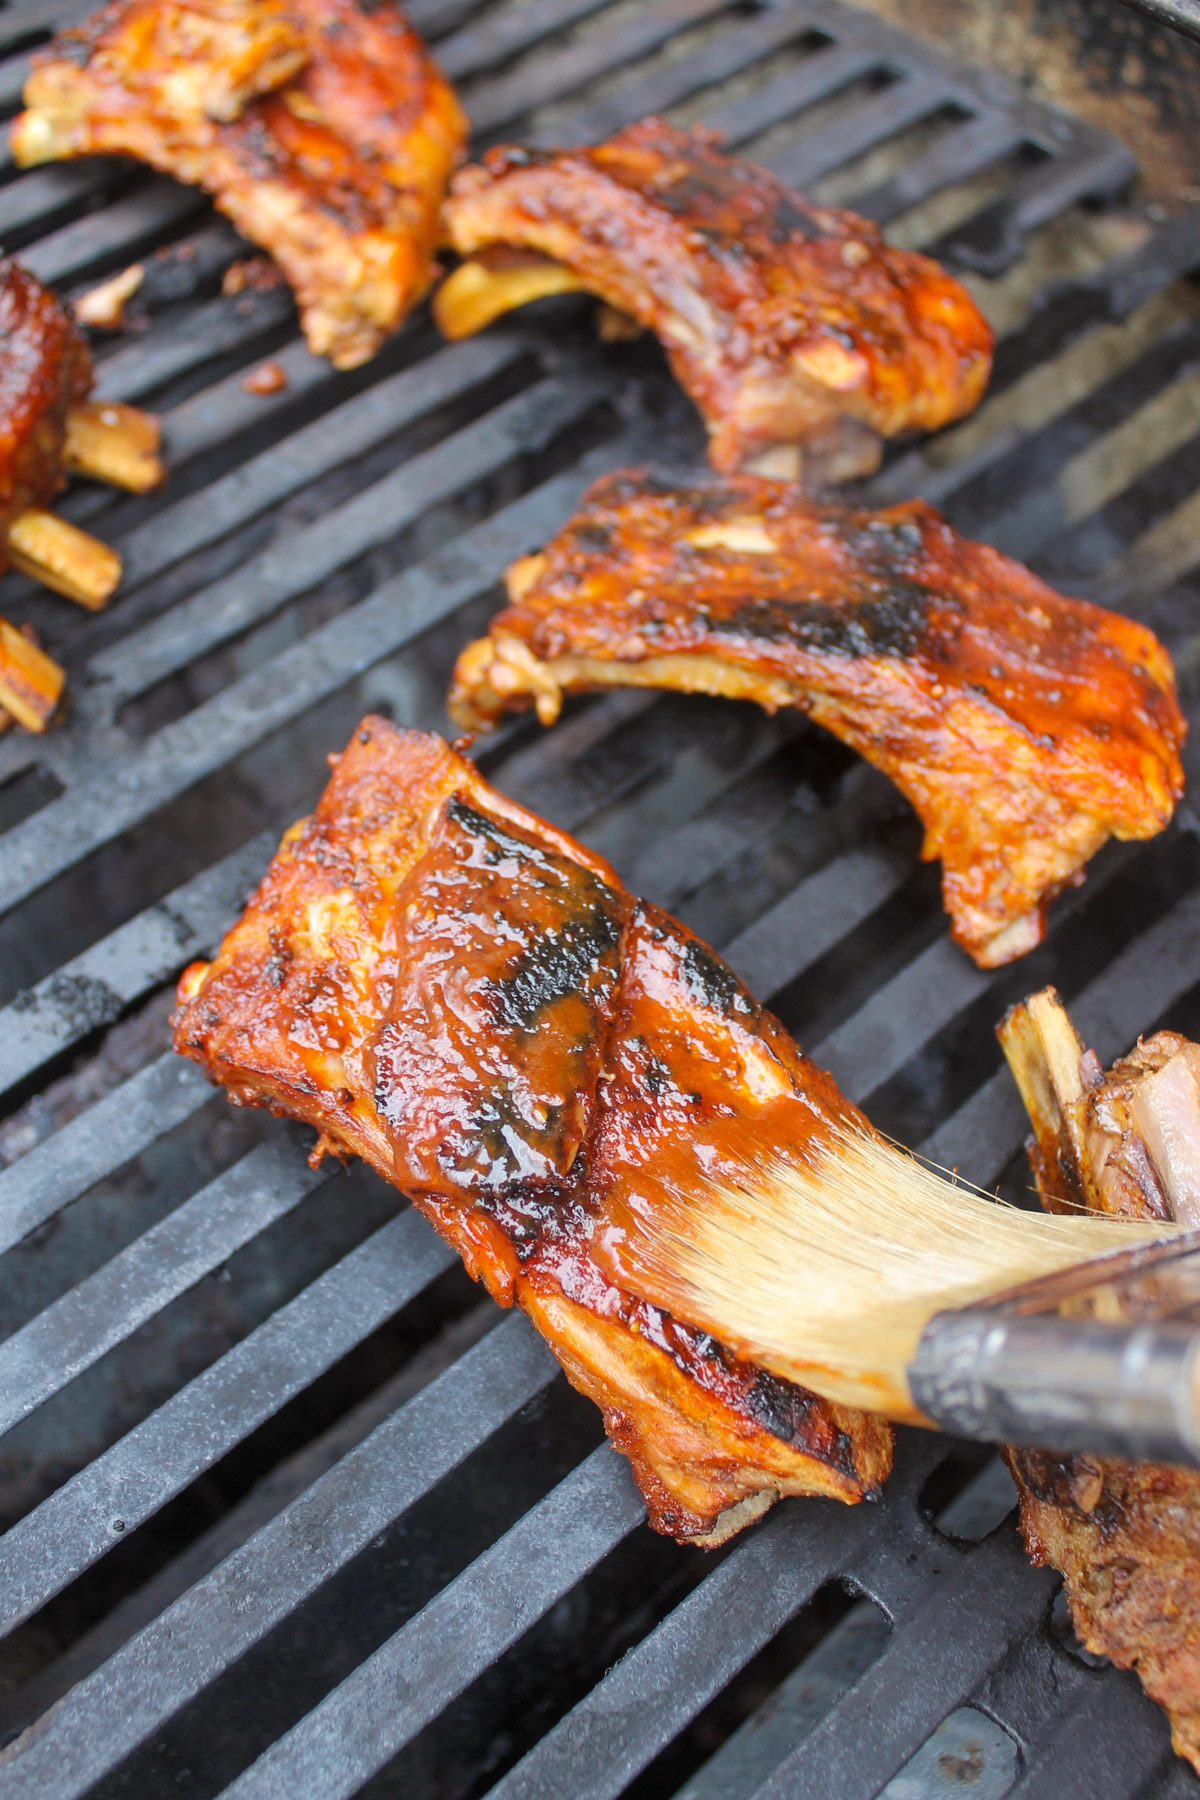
column 876, row 1281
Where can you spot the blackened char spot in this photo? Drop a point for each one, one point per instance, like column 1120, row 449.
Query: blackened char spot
column 887, row 615
column 892, row 625
column 555, row 966
column 76, row 50
column 502, row 1151
column 596, row 537
column 779, row 1407
column 561, row 960
column 793, row 220
column 712, row 982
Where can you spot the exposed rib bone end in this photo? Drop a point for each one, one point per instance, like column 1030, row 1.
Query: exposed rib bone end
column 492, row 675
column 476, row 293
column 31, row 683
column 116, row 443
column 1044, row 1053
column 64, row 558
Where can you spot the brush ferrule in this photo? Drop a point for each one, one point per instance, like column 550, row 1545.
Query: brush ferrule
column 1062, row 1384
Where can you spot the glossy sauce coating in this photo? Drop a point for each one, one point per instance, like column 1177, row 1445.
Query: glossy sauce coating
column 44, row 368
column 334, row 159
column 777, row 315
column 442, row 983
column 1025, row 728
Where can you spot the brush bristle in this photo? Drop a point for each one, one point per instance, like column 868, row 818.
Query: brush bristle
column 826, row 1270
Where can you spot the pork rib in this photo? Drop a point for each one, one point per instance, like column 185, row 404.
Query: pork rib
column 1125, row 1535
column 321, row 127
column 780, row 318
column 1026, row 729
column 45, row 369
column 446, row 986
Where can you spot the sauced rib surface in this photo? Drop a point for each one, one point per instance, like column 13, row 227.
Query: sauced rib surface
column 44, row 369
column 778, row 316
column 321, row 127
column 1125, row 1535
column 446, row 986
column 1025, row 728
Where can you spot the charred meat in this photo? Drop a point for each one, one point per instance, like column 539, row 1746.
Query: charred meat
column 448, row 987
column 1126, row 1536
column 1025, row 728
column 780, row 319
column 321, row 127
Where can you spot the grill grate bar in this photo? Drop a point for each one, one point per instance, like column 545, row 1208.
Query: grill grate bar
column 74, row 1332
column 993, row 241
column 1108, row 1744
column 13, row 76
column 902, row 104
column 716, row 61
column 211, row 331
column 824, row 75
column 26, row 20
column 1098, row 354
column 641, row 1704
column 73, row 1528
column 95, row 988
column 940, row 983
column 106, row 1716
column 740, row 815
column 436, row 19
column 92, row 1146
column 933, row 1661
column 501, row 36
column 95, row 811
column 113, row 235
column 331, row 441
column 559, row 73
column 304, row 557
column 44, row 192
column 379, row 1708
column 224, row 410
column 797, row 931
column 960, row 154
column 1137, row 988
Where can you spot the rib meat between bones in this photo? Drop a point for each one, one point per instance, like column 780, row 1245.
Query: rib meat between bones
column 321, row 127
column 1025, row 728
column 780, row 318
column 445, row 985
column 1125, row 1535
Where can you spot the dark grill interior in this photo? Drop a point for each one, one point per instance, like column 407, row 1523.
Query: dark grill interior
column 290, row 1510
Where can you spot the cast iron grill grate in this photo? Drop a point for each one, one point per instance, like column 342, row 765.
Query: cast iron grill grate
column 288, row 1509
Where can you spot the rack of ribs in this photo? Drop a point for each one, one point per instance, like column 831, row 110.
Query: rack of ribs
column 321, row 127
column 1025, row 728
column 797, row 331
column 1126, row 1536
column 445, row 985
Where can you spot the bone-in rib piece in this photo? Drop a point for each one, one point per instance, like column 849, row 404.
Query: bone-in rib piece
column 781, row 319
column 445, row 985
column 1125, row 1535
column 322, row 128
column 47, row 427
column 1025, row 728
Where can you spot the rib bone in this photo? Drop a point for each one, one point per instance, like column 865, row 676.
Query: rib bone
column 64, row 558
